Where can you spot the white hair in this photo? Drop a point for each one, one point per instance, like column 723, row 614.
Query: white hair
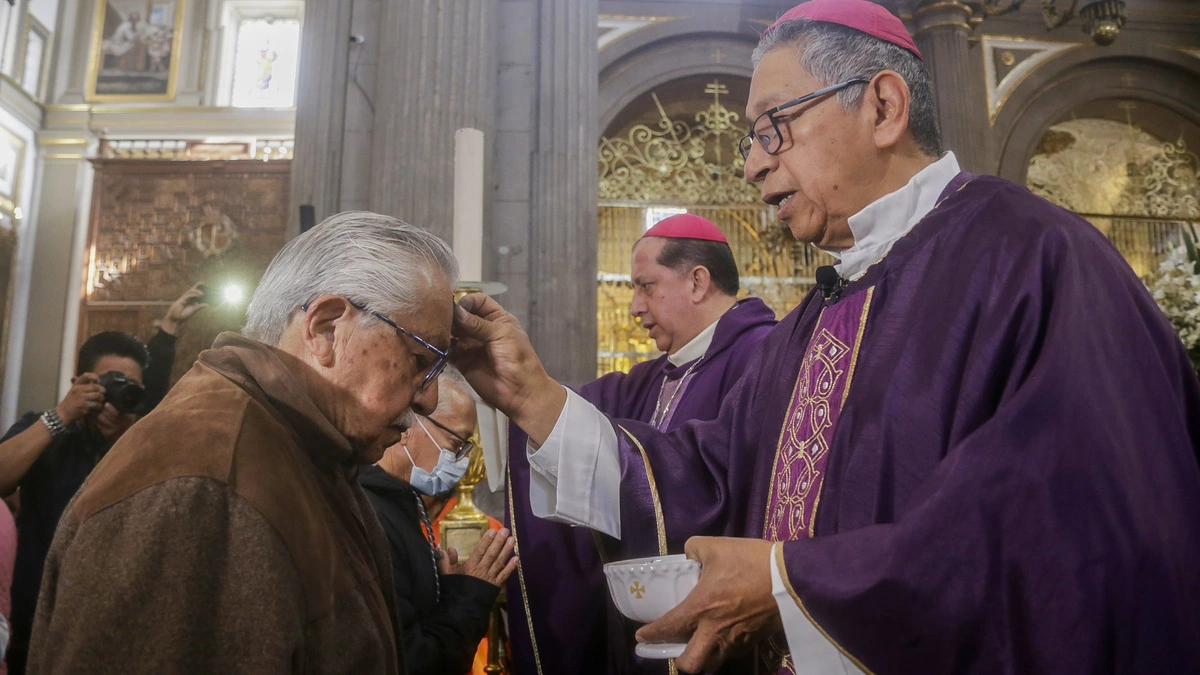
column 454, row 377
column 377, row 261
column 832, row 53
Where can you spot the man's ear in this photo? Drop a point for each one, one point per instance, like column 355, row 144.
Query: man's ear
column 701, row 282
column 320, row 326
column 887, row 100
column 406, row 437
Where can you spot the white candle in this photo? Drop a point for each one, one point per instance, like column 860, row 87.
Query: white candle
column 468, row 203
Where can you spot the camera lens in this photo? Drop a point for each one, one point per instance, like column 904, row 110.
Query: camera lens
column 123, row 393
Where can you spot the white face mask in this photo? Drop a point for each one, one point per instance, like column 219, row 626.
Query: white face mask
column 445, row 474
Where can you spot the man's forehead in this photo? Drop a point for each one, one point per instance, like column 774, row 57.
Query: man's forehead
column 439, row 338
column 444, row 321
column 434, row 325
column 778, row 78
column 645, row 256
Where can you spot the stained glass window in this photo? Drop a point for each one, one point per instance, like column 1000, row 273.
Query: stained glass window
column 265, row 61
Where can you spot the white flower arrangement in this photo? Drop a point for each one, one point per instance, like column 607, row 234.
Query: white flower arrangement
column 1177, row 291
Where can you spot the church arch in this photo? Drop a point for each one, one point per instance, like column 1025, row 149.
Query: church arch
column 671, row 50
column 1156, row 75
column 1113, row 138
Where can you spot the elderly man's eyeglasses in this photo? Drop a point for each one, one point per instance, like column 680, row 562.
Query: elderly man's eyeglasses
column 770, row 137
column 465, row 445
column 441, row 358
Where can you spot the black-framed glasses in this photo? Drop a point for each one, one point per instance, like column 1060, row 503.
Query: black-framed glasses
column 465, row 445
column 439, row 363
column 771, row 139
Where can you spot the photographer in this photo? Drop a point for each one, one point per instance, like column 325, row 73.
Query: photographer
column 48, row 455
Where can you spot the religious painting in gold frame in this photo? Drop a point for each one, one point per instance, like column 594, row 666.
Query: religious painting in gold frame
column 135, row 51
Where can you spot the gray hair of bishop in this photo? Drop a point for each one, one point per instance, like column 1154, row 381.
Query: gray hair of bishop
column 377, row 261
column 832, row 53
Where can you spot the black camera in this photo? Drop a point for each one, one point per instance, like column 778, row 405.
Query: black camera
column 123, row 393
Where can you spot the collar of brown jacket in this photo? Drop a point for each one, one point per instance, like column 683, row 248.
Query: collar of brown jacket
column 267, row 375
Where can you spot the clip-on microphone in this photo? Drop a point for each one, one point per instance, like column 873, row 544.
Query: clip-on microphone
column 829, row 283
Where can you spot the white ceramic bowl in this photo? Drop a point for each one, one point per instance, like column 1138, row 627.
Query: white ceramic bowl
column 646, row 588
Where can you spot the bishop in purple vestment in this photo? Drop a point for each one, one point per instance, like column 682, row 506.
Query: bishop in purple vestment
column 685, row 283
column 971, row 450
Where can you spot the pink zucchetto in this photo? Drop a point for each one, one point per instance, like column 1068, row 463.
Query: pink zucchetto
column 861, row 15
column 686, row 226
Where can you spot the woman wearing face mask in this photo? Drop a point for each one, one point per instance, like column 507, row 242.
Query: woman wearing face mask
column 443, row 603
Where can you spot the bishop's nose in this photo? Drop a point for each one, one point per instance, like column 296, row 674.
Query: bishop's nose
column 758, row 164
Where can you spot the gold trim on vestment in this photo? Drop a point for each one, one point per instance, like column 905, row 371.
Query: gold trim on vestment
column 512, row 526
column 658, row 515
column 799, row 603
column 862, row 324
column 600, row 550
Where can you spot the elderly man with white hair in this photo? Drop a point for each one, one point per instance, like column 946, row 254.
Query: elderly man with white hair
column 225, row 532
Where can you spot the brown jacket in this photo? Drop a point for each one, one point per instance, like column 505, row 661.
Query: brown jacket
column 224, row 533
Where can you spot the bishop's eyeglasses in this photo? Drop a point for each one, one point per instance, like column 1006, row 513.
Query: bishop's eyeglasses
column 771, row 138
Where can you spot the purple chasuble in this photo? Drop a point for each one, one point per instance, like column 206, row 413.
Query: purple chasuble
column 1010, row 484
column 562, row 619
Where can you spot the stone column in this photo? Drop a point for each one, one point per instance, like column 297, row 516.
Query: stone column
column 562, row 322
column 437, row 73
column 320, row 110
column 942, row 32
column 51, row 326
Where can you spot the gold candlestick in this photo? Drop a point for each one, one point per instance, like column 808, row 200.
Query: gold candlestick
column 465, row 524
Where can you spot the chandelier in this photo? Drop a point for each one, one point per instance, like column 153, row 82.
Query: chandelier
column 1102, row 19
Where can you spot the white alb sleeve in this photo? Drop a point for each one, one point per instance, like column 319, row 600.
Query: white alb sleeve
column 582, row 484
column 812, row 653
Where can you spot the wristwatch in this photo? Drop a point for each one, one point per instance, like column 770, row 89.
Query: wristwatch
column 54, row 423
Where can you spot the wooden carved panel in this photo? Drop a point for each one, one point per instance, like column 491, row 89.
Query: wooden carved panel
column 157, row 227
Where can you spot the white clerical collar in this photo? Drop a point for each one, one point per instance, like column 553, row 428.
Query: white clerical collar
column 696, row 347
column 881, row 224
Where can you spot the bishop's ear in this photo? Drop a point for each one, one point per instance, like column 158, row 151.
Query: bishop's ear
column 887, row 100
column 324, row 322
column 701, row 282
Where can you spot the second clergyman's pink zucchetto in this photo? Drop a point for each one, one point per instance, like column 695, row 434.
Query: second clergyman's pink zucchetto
column 686, row 226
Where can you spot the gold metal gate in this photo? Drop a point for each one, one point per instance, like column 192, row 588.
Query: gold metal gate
column 1137, row 189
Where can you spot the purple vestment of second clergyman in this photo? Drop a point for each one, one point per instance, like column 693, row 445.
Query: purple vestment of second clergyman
column 562, row 619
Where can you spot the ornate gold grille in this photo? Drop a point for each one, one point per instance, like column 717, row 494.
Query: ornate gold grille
column 1137, row 189
column 677, row 162
column 694, row 165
